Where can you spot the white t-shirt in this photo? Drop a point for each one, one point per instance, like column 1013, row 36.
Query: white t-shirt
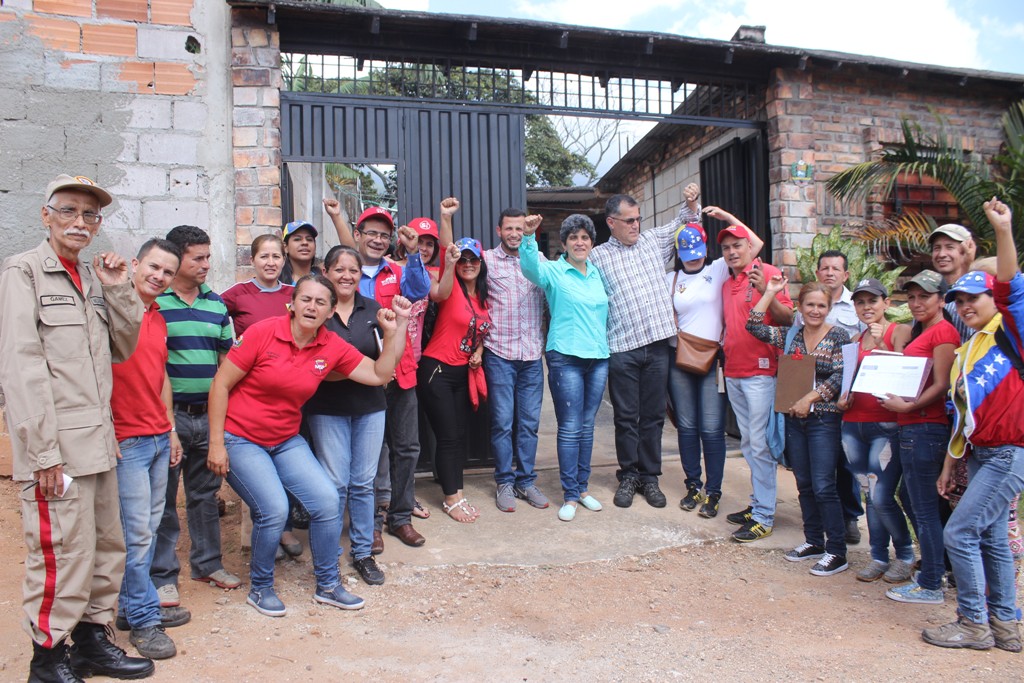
column 697, row 300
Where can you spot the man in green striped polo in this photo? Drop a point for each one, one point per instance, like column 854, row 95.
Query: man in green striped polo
column 199, row 335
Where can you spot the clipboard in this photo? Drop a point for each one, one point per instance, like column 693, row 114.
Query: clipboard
column 795, row 380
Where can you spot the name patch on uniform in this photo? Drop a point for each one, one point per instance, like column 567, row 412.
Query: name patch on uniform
column 56, row 300
column 763, row 363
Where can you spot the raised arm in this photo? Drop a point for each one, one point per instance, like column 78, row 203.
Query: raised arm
column 415, row 281
column 1001, row 219
column 529, row 258
column 770, row 334
column 442, row 289
column 449, row 207
column 393, row 323
column 333, row 208
column 756, row 243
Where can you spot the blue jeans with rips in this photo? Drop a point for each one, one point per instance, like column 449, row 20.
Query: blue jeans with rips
column 752, row 399
column 260, row 476
column 699, row 412
column 515, row 390
column 879, row 477
column 814, row 448
column 142, row 490
column 348, row 448
column 922, row 452
column 976, row 534
column 577, row 386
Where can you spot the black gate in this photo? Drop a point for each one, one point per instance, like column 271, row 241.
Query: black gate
column 735, row 177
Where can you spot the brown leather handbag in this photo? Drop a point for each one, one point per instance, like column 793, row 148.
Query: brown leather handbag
column 694, row 354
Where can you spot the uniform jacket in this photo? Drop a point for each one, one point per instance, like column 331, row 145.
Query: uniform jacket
column 56, row 347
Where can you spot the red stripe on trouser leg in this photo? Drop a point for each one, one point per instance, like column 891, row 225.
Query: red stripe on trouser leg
column 50, row 562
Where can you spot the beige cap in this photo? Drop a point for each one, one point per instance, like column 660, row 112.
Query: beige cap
column 951, row 230
column 80, row 183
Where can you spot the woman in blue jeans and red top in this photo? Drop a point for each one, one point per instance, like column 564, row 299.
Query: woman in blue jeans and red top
column 813, row 423
column 442, row 380
column 988, row 431
column 255, row 409
column 346, row 419
column 868, row 427
column 924, row 433
column 577, row 349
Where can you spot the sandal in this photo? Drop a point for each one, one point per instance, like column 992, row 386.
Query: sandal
column 461, row 512
column 419, row 511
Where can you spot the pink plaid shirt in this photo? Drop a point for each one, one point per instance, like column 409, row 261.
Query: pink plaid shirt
column 516, row 307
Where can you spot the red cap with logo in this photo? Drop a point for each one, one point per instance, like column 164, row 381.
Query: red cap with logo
column 737, row 231
column 376, row 212
column 425, row 227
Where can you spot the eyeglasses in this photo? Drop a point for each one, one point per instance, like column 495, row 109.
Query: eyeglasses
column 376, row 235
column 628, row 221
column 68, row 214
column 469, row 260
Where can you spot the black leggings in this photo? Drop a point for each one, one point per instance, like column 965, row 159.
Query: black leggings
column 444, row 394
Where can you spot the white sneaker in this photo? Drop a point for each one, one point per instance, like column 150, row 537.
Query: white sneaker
column 168, row 595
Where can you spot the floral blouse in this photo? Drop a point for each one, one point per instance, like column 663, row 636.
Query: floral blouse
column 828, row 355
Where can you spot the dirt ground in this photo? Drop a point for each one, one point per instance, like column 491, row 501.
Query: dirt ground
column 698, row 607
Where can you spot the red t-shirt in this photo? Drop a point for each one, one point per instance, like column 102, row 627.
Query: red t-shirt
column 460, row 327
column 865, row 407
column 924, row 347
column 135, row 400
column 265, row 407
column 247, row 303
column 745, row 355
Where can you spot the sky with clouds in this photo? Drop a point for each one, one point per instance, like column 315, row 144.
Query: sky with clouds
column 974, row 34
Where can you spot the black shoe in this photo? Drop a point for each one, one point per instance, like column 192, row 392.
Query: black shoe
column 50, row 665
column 691, row 499
column 627, row 489
column 94, row 654
column 298, row 516
column 751, row 531
column 852, row 532
column 710, row 507
column 169, row 618
column 741, row 517
column 830, row 564
column 652, row 492
column 368, row 569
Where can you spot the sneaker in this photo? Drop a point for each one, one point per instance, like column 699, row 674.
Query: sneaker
column 152, row 642
column 168, row 595
column 266, row 602
column 338, row 597
column 368, row 570
column 1006, row 633
column 652, row 492
column 898, row 572
column 221, row 578
column 692, row 498
column 532, row 495
column 912, row 592
column 805, row 551
column 505, row 499
column 751, row 531
column 830, row 564
column 960, row 633
column 627, row 489
column 741, row 517
column 591, row 503
column 709, row 509
column 852, row 532
column 567, row 512
column 873, row 572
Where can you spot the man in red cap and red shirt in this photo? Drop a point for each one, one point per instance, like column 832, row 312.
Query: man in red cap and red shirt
column 750, row 368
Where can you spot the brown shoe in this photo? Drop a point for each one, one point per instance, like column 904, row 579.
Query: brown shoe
column 378, row 543
column 407, row 535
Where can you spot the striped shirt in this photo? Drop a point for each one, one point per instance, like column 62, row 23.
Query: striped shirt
column 196, row 336
column 640, row 307
column 516, row 306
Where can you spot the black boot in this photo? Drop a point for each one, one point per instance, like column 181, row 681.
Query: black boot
column 50, row 665
column 93, row 653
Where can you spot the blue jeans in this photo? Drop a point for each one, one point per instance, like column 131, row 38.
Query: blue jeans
column 201, row 513
column 348, row 448
column 515, row 390
column 142, row 490
column 260, row 477
column 814, row 448
column 752, row 399
column 922, row 452
column 638, row 391
column 699, row 412
column 879, row 478
column 577, row 386
column 976, row 534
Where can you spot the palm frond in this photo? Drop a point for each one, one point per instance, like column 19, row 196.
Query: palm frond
column 906, row 235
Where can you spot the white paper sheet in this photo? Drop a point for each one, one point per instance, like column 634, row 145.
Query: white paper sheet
column 882, row 373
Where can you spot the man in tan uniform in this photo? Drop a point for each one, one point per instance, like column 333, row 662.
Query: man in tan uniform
column 62, row 323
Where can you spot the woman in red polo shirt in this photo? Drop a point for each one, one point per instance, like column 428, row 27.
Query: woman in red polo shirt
column 443, row 377
column 255, row 410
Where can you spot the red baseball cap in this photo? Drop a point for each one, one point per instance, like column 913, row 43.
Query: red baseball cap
column 737, row 231
column 425, row 227
column 376, row 212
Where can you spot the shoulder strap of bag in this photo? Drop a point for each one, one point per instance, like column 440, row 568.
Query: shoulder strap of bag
column 1006, row 346
column 790, row 336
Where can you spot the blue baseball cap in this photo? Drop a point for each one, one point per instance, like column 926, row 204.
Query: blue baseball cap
column 691, row 242
column 294, row 227
column 471, row 245
column 975, row 282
